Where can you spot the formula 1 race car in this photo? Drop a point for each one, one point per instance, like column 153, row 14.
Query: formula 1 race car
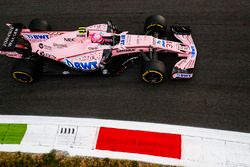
column 101, row 48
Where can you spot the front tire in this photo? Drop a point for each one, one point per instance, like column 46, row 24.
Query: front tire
column 25, row 71
column 153, row 71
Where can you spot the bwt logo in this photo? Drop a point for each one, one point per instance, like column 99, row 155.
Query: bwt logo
column 184, row 75
column 163, row 43
column 38, row 36
column 122, row 40
column 82, row 65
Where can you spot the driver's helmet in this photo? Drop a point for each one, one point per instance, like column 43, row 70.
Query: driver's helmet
column 97, row 38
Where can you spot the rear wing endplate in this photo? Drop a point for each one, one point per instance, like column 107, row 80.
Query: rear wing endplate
column 10, row 41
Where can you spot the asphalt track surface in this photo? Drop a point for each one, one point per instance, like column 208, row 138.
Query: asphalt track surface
column 217, row 97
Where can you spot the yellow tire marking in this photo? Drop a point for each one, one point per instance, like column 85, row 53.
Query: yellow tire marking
column 152, row 71
column 157, row 25
column 22, row 73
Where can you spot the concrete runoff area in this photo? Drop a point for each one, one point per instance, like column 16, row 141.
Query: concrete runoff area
column 147, row 142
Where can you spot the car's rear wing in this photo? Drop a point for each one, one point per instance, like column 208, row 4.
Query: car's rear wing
column 11, row 39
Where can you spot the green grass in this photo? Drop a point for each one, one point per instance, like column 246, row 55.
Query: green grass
column 59, row 159
column 12, row 133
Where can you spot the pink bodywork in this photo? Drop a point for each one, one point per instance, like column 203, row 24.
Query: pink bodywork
column 77, row 50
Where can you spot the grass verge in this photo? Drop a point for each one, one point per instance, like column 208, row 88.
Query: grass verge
column 59, row 159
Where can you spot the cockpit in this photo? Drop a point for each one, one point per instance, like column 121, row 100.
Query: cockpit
column 104, row 40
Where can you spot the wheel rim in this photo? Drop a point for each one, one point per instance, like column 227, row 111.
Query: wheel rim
column 22, row 77
column 152, row 76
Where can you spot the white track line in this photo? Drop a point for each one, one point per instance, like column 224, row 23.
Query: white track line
column 200, row 146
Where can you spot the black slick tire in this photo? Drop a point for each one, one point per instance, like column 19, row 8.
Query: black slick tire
column 25, row 71
column 155, row 24
column 153, row 71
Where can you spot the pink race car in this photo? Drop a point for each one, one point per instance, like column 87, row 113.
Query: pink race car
column 100, row 48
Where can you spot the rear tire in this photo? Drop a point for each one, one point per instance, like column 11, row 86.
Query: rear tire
column 153, row 71
column 39, row 25
column 25, row 71
column 155, row 24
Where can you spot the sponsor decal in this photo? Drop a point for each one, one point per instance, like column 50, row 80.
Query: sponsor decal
column 8, row 37
column 37, row 36
column 88, row 57
column 122, row 40
column 11, row 54
column 59, row 46
column 69, row 39
column 81, row 30
column 193, row 51
column 40, row 45
column 169, row 45
column 92, row 48
column 184, row 75
column 163, row 43
column 44, row 54
column 183, row 48
column 98, row 27
column 8, row 42
column 46, row 47
column 81, row 35
column 82, row 65
column 125, row 50
column 55, row 33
